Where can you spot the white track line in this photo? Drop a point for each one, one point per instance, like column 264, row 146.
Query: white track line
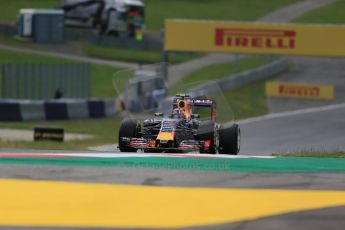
column 292, row 113
column 123, row 155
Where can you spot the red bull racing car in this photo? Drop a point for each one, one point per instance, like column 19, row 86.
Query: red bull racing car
column 180, row 131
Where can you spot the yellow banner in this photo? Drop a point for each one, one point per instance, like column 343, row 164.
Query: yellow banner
column 306, row 91
column 254, row 38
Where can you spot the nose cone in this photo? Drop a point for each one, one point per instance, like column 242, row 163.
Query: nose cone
column 165, row 136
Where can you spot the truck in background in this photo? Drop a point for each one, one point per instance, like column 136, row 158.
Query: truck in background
column 122, row 18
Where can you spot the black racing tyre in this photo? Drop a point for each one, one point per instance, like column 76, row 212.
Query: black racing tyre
column 230, row 140
column 128, row 128
column 206, row 132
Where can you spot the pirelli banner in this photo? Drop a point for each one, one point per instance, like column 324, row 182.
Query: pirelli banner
column 254, row 38
column 305, row 91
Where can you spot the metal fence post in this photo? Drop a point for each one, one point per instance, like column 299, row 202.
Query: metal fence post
column 3, row 80
column 89, row 79
column 164, row 59
column 17, row 80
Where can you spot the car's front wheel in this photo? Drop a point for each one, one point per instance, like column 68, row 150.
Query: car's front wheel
column 129, row 129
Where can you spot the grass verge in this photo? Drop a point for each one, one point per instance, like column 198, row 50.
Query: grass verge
column 10, row 40
column 216, row 72
column 133, row 55
column 248, row 101
column 9, row 9
column 105, row 131
column 105, row 52
column 311, row 154
column 333, row 13
column 157, row 11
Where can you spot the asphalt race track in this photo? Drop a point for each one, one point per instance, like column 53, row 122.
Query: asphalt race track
column 316, row 129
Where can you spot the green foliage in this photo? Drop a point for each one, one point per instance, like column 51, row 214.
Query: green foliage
column 333, row 13
column 105, row 131
column 245, row 10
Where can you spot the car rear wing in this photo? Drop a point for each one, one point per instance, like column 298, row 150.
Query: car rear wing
column 195, row 102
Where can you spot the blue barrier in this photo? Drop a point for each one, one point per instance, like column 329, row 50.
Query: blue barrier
column 61, row 109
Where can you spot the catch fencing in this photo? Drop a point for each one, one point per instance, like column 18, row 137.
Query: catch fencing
column 43, row 81
column 8, row 29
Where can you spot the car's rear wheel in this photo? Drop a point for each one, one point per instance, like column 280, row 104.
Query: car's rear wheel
column 206, row 133
column 230, row 140
column 129, row 129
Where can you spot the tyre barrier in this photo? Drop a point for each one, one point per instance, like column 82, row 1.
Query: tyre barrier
column 60, row 109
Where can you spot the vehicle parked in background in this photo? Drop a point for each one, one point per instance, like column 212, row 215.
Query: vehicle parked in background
column 123, row 18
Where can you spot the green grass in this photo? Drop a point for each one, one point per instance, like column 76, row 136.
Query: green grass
column 105, row 131
column 9, row 9
column 18, row 57
column 312, row 154
column 333, row 13
column 10, row 40
column 108, row 53
column 132, row 55
column 157, row 10
column 216, row 72
column 101, row 85
column 248, row 101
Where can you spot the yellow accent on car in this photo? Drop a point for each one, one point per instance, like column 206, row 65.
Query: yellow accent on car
column 165, row 136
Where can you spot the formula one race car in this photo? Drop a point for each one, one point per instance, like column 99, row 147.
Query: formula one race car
column 180, row 131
